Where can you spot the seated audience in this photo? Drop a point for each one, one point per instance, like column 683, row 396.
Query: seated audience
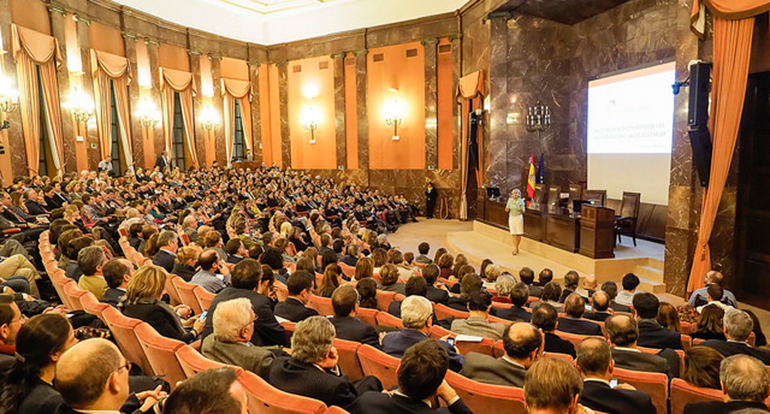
column 168, row 243
column 738, row 326
column 519, row 295
column 28, row 386
column 491, row 275
column 623, row 334
column 527, row 276
column 651, row 334
column 423, row 248
column 709, row 324
column 745, row 382
column 11, row 321
column 600, row 303
column 611, row 289
column 347, row 326
column 117, row 273
column 445, row 262
column 546, row 318
column 668, row 317
column 293, row 309
column 90, row 261
column 215, row 391
column 553, row 386
column 523, row 345
column 477, row 324
column 758, row 334
column 396, row 258
column 571, row 282
column 236, row 251
column 414, row 286
column 186, row 262
column 551, row 295
column 626, row 297
column 230, row 343
column 420, row 379
column 416, row 314
column 574, row 323
column 389, row 276
column 143, row 302
column 503, row 286
column 594, row 360
column 701, row 367
column 471, row 283
column 436, row 295
column 714, row 297
column 367, row 293
column 312, row 369
column 364, row 268
column 214, row 274
column 588, row 287
column 330, row 281
column 713, row 277
column 544, row 277
column 93, row 377
column 250, row 281
column 74, row 247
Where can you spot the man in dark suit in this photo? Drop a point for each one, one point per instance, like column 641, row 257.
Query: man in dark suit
column 527, row 276
column 575, row 307
column 211, row 390
column 599, row 312
column 594, row 360
column 245, row 279
column 430, row 274
column 293, row 309
column 350, row 328
column 416, row 313
column 168, row 243
column 162, row 161
column 745, row 381
column 544, row 277
column 571, row 282
column 523, row 344
column 737, row 327
column 420, row 378
column 117, row 272
column 312, row 369
column 416, row 285
column 611, row 289
column 651, row 334
column 32, row 202
column 546, row 318
column 623, row 333
column 517, row 312
column 11, row 321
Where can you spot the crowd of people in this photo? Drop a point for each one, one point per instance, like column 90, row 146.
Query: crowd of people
column 252, row 237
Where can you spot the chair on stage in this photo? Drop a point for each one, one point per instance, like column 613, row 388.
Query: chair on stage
column 625, row 221
column 596, row 197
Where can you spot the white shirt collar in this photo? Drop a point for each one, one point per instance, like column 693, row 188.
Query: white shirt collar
column 598, row 380
column 512, row 362
column 401, row 394
column 622, row 348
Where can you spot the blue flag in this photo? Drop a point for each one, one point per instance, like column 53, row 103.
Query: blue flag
column 541, row 172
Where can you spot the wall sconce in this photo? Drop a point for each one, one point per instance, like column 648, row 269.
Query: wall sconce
column 394, row 116
column 209, row 118
column 147, row 113
column 9, row 99
column 81, row 105
column 310, row 118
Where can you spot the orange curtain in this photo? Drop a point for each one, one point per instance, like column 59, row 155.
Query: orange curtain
column 120, row 86
column 732, row 53
column 470, row 88
column 29, row 105
column 181, row 82
column 725, row 9
column 186, row 102
column 53, row 113
column 229, row 109
column 239, row 90
column 106, row 67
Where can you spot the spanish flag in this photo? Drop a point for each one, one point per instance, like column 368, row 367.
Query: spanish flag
column 531, row 177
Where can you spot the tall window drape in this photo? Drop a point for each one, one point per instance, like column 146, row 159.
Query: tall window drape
column 32, row 49
column 182, row 82
column 470, row 94
column 239, row 90
column 107, row 67
column 733, row 32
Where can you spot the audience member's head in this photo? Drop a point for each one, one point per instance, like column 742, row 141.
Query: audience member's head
column 422, row 370
column 594, row 358
column 367, row 291
column 423, row 248
column 668, row 317
column 646, row 305
column 571, row 280
column 233, row 320
column 523, row 343
column 479, row 302
column 147, row 283
column 545, row 276
column 388, row 274
column 551, row 292
column 416, row 285
column 701, row 367
column 214, row 391
column 117, row 272
column 622, row 330
column 519, row 294
column 311, row 342
column 744, row 378
column 713, row 277
column 90, row 260
column 600, row 301
column 416, row 312
column 575, row 306
column 552, row 384
column 545, row 317
column 470, row 284
column 344, row 300
column 246, row 274
column 590, row 283
column 610, row 288
column 168, row 240
column 430, row 273
column 630, row 282
column 527, row 275
column 504, row 285
column 364, row 268
column 715, row 292
column 11, row 320
column 737, row 324
column 209, row 260
column 300, row 285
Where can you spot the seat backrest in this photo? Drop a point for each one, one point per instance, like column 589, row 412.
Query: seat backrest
column 73, row 293
column 348, row 358
column 347, row 270
column 598, row 197
column 686, row 342
column 683, row 393
column 122, row 329
column 161, row 352
column 574, row 338
column 173, row 293
column 367, row 315
column 321, row 304
column 443, row 312
column 495, row 319
column 193, row 362
column 485, row 398
column 263, row 398
column 335, row 410
column 437, row 332
column 655, row 384
column 629, row 206
column 383, row 299
column 203, row 297
column 186, row 294
column 486, row 346
column 565, row 357
column 386, row 319
column 379, row 364
column 92, row 305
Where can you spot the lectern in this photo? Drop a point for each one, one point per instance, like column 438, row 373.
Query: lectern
column 597, row 232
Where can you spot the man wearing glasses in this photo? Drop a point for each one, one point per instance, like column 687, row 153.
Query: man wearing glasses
column 11, row 321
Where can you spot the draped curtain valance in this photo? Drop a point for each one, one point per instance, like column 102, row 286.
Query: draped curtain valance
column 236, row 88
column 471, row 86
column 113, row 66
column 40, row 47
column 182, row 82
column 725, row 9
column 108, row 68
column 178, row 80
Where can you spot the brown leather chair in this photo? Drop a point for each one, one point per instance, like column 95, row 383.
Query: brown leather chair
column 554, row 199
column 597, row 197
column 625, row 222
column 575, row 193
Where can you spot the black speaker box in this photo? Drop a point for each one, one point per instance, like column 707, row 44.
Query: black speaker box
column 700, row 140
column 700, row 85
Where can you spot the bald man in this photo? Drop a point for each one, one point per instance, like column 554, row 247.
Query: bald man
column 600, row 309
column 523, row 344
column 209, row 392
column 92, row 376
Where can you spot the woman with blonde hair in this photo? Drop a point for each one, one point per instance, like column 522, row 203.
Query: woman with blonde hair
column 186, row 262
column 445, row 262
column 364, row 268
column 142, row 301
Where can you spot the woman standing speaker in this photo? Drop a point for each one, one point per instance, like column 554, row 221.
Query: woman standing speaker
column 515, row 209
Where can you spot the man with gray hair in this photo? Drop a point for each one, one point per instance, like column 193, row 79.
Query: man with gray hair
column 737, row 327
column 168, row 243
column 231, row 344
column 90, row 261
column 312, row 369
column 417, row 316
column 745, row 381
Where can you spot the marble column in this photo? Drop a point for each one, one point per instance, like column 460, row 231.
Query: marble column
column 363, row 119
column 217, row 135
column 497, row 152
column 256, row 119
column 156, row 135
column 283, row 103
column 136, row 129
column 456, row 74
column 14, row 161
column 86, row 78
column 431, row 102
column 339, row 109
column 199, row 135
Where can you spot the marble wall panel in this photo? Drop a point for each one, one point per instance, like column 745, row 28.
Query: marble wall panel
column 283, row 92
column 362, row 113
column 339, row 109
column 431, row 101
column 256, row 119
